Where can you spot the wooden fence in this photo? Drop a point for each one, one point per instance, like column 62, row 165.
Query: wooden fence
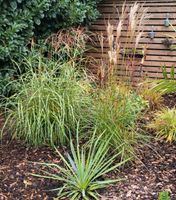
column 158, row 53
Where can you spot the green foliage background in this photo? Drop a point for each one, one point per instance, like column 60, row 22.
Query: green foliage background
column 22, row 20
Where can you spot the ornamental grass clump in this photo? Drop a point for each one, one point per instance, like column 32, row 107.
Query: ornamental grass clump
column 84, row 169
column 116, row 112
column 164, row 124
column 51, row 99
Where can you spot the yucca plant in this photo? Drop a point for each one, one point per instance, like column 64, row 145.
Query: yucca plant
column 84, row 169
column 116, row 112
column 164, row 124
column 52, row 98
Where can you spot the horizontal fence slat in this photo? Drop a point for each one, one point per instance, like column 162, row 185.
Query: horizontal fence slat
column 157, row 53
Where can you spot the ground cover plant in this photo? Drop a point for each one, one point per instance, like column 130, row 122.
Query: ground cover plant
column 84, row 168
column 164, row 195
column 51, row 99
column 152, row 97
column 166, row 85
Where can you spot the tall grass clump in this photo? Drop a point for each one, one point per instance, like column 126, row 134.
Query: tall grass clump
column 52, row 98
column 81, row 176
column 116, row 112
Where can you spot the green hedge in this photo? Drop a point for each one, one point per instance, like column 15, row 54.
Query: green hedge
column 22, row 20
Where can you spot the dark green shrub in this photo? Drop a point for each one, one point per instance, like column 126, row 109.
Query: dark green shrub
column 21, row 20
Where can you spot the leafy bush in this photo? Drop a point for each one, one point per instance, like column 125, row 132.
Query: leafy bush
column 21, row 20
column 83, row 170
column 164, row 124
column 51, row 99
column 116, row 112
column 6, row 84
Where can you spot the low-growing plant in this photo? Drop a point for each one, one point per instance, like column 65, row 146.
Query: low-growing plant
column 52, row 98
column 164, row 86
column 164, row 196
column 84, row 169
column 154, row 99
column 116, row 113
column 164, row 124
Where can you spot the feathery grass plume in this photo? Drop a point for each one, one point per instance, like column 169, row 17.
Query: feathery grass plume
column 84, row 167
column 69, row 44
column 52, row 98
column 123, row 46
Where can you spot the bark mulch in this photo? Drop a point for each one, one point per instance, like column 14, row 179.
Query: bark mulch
column 155, row 171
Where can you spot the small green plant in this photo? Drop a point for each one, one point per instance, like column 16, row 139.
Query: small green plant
column 165, row 124
column 52, row 98
column 84, row 169
column 116, row 112
column 164, row 196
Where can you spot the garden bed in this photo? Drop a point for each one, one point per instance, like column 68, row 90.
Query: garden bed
column 155, row 171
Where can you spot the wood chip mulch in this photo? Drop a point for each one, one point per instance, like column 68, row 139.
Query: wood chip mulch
column 155, row 171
